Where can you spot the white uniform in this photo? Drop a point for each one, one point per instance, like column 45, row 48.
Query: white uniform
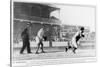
column 73, row 42
column 39, row 36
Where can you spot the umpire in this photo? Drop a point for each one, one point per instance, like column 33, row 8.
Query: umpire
column 25, row 39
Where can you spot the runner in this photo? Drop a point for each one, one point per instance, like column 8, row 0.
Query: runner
column 75, row 40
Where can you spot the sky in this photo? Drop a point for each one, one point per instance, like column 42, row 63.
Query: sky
column 76, row 15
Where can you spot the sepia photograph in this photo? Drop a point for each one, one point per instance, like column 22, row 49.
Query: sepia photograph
column 52, row 33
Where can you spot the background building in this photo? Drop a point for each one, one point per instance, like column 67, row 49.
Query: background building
column 37, row 14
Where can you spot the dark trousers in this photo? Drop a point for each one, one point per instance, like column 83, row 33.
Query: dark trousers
column 26, row 44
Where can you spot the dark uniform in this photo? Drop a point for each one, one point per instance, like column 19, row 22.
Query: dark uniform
column 25, row 39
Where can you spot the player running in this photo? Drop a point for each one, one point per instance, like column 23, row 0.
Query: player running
column 74, row 43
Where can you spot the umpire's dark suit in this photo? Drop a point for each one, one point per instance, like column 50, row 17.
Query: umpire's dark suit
column 25, row 39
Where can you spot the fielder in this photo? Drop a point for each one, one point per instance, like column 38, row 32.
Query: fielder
column 39, row 40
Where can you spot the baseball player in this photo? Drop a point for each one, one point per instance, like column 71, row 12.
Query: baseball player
column 39, row 40
column 75, row 40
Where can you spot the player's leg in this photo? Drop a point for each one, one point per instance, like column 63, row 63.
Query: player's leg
column 75, row 47
column 42, row 47
column 74, row 50
column 38, row 46
column 68, row 46
column 23, row 47
column 28, row 47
